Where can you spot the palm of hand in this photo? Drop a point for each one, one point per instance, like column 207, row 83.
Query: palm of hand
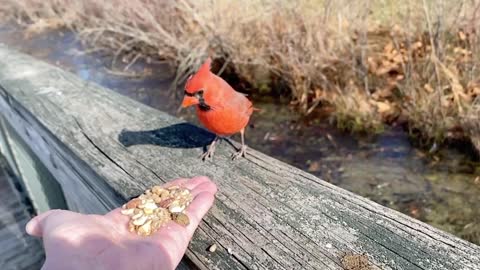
column 77, row 241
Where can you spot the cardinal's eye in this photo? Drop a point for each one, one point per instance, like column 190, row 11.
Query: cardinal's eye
column 199, row 93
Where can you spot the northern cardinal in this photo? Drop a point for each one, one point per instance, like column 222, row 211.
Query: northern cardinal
column 220, row 108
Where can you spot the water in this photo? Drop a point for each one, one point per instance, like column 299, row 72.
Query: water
column 441, row 189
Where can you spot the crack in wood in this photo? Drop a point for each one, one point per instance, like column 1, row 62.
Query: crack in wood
column 99, row 148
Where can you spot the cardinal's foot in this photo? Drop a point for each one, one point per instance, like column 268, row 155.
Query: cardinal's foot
column 209, row 153
column 241, row 153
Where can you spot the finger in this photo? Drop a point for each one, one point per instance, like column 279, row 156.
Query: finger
column 36, row 225
column 176, row 182
column 116, row 216
column 191, row 183
column 204, row 187
column 197, row 210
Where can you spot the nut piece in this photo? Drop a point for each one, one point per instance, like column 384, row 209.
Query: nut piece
column 212, row 248
column 158, row 190
column 148, row 207
column 145, row 229
column 162, row 214
column 181, row 219
column 140, row 221
column 131, row 227
column 153, row 209
column 173, row 187
column 166, row 203
column 137, row 215
column 176, row 208
column 142, row 203
column 164, row 194
column 156, row 198
column 156, row 224
column 128, row 212
column 133, row 203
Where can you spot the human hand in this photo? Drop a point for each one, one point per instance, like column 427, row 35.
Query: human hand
column 78, row 241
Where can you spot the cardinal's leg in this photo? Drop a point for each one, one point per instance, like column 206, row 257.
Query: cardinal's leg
column 211, row 149
column 243, row 150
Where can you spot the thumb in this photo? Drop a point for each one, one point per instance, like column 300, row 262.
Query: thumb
column 36, row 225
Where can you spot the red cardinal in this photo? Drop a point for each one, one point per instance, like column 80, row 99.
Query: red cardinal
column 220, row 108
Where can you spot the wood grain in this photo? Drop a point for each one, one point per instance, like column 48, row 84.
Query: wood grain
column 104, row 148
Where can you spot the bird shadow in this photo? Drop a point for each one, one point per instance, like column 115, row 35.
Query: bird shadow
column 182, row 135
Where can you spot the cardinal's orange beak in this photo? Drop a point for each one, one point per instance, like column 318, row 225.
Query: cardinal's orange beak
column 189, row 101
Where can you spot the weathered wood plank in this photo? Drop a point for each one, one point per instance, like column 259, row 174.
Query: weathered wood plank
column 5, row 148
column 36, row 180
column 268, row 214
column 17, row 249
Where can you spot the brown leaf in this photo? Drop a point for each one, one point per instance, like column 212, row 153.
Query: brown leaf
column 372, row 65
column 428, row 88
column 383, row 93
column 457, row 88
column 398, row 58
column 383, row 107
column 417, row 45
column 386, row 68
column 388, row 48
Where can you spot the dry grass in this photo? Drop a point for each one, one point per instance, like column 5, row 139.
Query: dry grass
column 375, row 61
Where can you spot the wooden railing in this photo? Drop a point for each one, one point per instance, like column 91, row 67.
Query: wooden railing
column 84, row 147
